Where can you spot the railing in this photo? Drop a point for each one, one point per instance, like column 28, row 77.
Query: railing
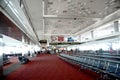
column 106, row 66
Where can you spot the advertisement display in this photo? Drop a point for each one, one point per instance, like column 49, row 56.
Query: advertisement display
column 57, row 38
column 64, row 39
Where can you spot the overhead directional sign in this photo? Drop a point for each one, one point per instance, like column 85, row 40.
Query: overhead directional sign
column 43, row 41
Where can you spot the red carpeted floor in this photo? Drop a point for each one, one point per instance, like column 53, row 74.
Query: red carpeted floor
column 48, row 67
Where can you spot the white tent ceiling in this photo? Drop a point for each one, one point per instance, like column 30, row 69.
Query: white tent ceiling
column 65, row 17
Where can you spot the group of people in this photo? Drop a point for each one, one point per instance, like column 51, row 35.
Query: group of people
column 23, row 59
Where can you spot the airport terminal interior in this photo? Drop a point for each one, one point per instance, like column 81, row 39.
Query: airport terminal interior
column 59, row 39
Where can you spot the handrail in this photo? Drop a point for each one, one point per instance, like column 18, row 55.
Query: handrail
column 106, row 56
column 108, row 60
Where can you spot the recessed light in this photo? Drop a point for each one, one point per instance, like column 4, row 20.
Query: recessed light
column 57, row 11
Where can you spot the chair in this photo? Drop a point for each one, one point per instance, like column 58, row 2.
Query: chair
column 101, row 65
column 96, row 63
column 118, row 71
column 112, row 67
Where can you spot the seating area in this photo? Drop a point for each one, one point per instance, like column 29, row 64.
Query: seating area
column 5, row 60
column 108, row 66
column 6, row 57
column 23, row 59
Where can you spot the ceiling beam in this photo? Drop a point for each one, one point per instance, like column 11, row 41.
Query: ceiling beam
column 56, row 34
column 45, row 6
column 67, row 17
column 26, row 12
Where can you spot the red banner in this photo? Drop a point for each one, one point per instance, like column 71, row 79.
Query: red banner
column 57, row 38
column 60, row 38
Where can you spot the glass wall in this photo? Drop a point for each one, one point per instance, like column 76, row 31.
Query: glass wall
column 104, row 30
column 86, row 36
column 105, row 38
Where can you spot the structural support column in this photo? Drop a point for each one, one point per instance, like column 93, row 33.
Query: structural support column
column 116, row 29
column 116, row 26
column 23, row 44
column 23, row 38
column 79, row 37
column 1, row 57
column 92, row 34
column 43, row 3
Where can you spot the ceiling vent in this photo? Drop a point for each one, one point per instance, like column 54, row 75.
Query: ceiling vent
column 75, row 18
column 93, row 12
column 117, row 7
column 59, row 21
column 91, row 1
column 64, row 11
column 50, row 3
